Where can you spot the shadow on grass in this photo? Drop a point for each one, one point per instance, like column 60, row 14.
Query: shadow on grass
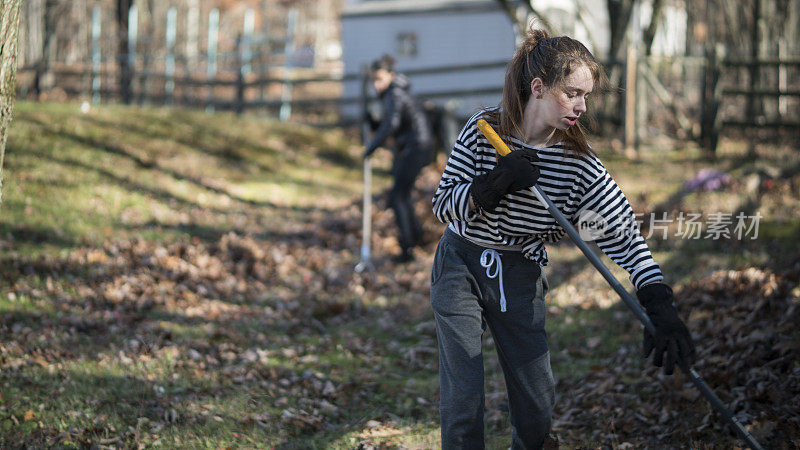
column 130, row 185
column 207, row 233
column 36, row 235
column 152, row 166
column 229, row 152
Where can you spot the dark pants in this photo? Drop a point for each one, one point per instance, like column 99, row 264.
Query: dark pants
column 407, row 164
column 465, row 300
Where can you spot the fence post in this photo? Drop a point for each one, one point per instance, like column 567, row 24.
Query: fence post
column 169, row 63
column 133, row 36
column 191, row 64
column 144, row 80
column 96, row 57
column 630, row 102
column 783, row 78
column 711, row 123
column 211, row 64
column 238, row 105
column 754, row 108
column 286, row 96
column 192, row 35
column 450, row 126
column 244, row 56
column 264, row 46
column 124, row 17
column 247, row 44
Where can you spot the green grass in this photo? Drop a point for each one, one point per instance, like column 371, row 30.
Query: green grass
column 115, row 329
column 74, row 179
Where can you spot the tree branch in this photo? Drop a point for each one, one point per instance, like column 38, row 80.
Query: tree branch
column 650, row 32
column 521, row 24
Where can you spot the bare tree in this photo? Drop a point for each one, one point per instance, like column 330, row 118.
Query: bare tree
column 744, row 26
column 619, row 16
column 521, row 20
column 53, row 11
column 650, row 31
column 123, row 10
column 9, row 36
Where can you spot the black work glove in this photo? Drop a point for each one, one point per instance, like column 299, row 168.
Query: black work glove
column 672, row 337
column 514, row 172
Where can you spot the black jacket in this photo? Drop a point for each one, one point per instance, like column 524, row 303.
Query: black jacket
column 403, row 118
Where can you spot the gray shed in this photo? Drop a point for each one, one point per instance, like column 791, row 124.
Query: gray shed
column 453, row 51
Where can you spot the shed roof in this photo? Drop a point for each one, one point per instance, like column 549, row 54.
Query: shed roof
column 368, row 8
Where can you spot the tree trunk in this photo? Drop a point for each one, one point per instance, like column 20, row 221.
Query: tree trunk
column 123, row 9
column 650, row 32
column 751, row 110
column 51, row 14
column 9, row 32
column 619, row 15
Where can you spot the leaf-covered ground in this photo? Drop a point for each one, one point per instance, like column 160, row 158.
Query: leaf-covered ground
column 176, row 279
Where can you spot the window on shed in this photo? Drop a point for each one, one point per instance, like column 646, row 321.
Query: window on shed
column 407, row 44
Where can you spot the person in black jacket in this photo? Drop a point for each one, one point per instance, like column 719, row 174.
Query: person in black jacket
column 405, row 121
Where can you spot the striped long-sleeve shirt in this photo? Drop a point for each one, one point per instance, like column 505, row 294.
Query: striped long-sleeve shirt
column 580, row 186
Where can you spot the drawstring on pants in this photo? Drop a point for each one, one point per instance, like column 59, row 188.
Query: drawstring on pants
column 488, row 258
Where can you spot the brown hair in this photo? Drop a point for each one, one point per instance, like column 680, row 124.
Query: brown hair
column 385, row 62
column 552, row 59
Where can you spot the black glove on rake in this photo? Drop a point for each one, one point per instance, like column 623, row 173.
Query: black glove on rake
column 672, row 337
column 514, row 172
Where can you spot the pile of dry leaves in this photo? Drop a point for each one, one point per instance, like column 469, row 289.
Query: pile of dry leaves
column 747, row 331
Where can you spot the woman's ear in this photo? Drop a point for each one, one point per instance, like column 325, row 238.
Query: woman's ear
column 537, row 88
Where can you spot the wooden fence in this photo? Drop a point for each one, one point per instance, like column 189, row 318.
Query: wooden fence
column 728, row 81
column 298, row 90
column 318, row 98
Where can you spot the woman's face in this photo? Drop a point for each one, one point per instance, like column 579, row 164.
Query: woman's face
column 564, row 103
column 381, row 80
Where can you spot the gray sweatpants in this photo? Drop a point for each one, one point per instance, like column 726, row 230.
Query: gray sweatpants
column 465, row 300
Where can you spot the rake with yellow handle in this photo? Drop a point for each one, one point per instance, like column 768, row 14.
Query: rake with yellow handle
column 502, row 150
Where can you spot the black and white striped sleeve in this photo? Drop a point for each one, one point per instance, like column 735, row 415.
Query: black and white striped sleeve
column 620, row 239
column 451, row 199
